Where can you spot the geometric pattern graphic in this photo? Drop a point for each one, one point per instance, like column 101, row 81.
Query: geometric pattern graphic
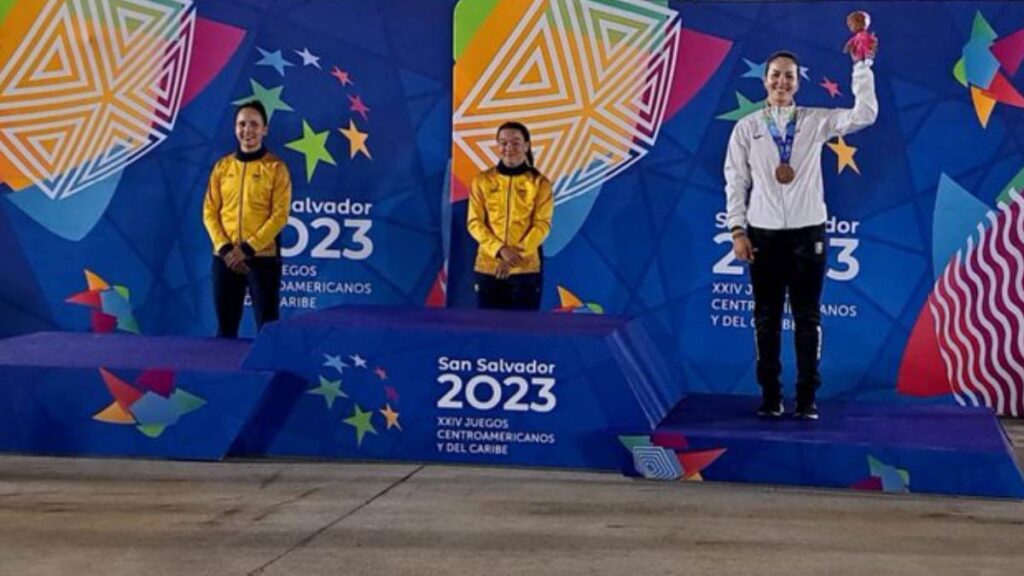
column 91, row 87
column 569, row 303
column 979, row 68
column 973, row 325
column 151, row 404
column 592, row 80
column 884, row 478
column 656, row 463
column 112, row 307
column 665, row 456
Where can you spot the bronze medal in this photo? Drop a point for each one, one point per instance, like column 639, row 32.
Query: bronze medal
column 785, row 173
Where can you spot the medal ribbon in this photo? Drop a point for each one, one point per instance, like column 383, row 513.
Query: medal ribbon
column 785, row 145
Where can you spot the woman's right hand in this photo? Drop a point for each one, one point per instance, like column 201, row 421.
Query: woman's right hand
column 511, row 256
column 742, row 248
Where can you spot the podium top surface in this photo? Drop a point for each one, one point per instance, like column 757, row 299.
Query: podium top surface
column 126, row 351
column 875, row 424
column 457, row 320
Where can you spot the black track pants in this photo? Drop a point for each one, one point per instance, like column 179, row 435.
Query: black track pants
column 793, row 260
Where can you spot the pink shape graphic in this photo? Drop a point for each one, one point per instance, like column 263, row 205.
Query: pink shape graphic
column 670, row 440
column 870, row 483
column 1010, row 51
column 159, row 381
column 459, row 190
column 103, row 323
column 700, row 55
column 213, row 45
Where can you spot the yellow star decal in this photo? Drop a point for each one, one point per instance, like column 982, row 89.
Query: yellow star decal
column 845, row 153
column 391, row 416
column 356, row 140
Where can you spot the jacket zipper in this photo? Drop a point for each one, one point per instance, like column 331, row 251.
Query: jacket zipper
column 241, row 202
column 508, row 208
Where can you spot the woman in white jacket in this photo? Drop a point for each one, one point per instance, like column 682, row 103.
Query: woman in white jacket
column 776, row 212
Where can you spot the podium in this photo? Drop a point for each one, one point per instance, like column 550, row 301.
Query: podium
column 480, row 387
column 464, row 386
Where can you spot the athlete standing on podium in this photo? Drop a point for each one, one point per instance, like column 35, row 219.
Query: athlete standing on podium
column 510, row 210
column 245, row 208
column 776, row 212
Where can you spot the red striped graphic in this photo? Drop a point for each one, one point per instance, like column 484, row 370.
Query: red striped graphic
column 977, row 310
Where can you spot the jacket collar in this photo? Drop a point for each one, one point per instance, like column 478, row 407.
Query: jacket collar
column 250, row 156
column 518, row 170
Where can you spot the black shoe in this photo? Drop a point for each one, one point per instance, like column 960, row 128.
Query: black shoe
column 807, row 411
column 771, row 407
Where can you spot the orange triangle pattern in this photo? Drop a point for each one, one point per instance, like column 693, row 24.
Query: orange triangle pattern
column 95, row 282
column 568, row 299
column 114, row 414
column 983, row 105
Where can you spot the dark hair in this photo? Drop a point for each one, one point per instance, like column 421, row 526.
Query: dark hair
column 778, row 55
column 255, row 105
column 526, row 136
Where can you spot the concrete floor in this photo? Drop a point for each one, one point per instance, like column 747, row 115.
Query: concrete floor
column 121, row 517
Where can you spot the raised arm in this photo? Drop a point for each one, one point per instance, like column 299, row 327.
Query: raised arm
column 865, row 105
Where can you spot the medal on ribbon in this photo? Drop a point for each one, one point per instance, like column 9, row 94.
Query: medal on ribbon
column 784, row 172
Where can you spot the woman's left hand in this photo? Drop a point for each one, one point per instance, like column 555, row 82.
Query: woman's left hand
column 503, row 270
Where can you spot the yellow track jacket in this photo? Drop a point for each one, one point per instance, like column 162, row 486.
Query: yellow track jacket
column 247, row 203
column 509, row 209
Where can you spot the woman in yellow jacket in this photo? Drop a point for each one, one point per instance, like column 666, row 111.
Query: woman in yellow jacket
column 510, row 208
column 245, row 208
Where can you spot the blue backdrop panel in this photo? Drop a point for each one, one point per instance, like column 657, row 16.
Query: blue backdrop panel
column 372, row 80
column 904, row 195
column 462, row 386
column 890, row 448
column 182, row 398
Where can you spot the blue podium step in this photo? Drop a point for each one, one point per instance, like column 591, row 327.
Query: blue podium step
column 885, row 447
column 75, row 394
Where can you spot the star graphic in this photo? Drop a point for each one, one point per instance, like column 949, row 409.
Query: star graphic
column 308, row 59
column 274, row 60
column 358, row 360
column 356, row 140
column 831, row 87
column 329, row 389
column 391, row 416
column 391, row 393
column 381, row 373
column 744, row 107
column 754, row 70
column 845, row 154
column 341, row 75
column 757, row 70
column 313, row 145
column 361, row 421
column 358, row 106
column 269, row 97
column 335, row 362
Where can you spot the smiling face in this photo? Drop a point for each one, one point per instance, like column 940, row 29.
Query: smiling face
column 249, row 129
column 781, row 81
column 512, row 147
